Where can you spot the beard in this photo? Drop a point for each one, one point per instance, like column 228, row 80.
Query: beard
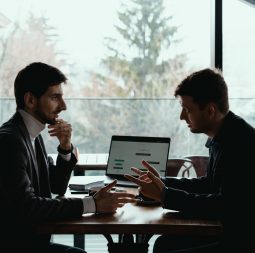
column 195, row 131
column 43, row 118
column 200, row 129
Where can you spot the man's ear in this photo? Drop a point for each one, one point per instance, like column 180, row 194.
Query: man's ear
column 30, row 100
column 211, row 108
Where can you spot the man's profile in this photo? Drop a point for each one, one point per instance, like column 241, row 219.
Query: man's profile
column 226, row 191
column 28, row 178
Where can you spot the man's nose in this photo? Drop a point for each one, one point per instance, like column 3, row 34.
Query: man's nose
column 63, row 105
column 182, row 115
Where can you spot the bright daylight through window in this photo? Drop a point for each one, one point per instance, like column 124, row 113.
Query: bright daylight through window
column 123, row 60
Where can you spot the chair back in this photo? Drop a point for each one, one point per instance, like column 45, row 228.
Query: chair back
column 199, row 163
column 178, row 167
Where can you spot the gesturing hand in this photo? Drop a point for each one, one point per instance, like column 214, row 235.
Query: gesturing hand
column 108, row 201
column 150, row 184
column 142, row 174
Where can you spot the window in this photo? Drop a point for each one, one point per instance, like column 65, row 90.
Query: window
column 238, row 55
column 123, row 61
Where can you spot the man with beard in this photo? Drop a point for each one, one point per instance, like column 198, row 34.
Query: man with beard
column 226, row 191
column 28, row 177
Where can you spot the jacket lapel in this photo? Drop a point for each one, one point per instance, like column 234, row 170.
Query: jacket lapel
column 43, row 167
column 43, row 153
column 17, row 120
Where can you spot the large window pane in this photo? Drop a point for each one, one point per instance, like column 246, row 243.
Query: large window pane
column 238, row 47
column 133, row 51
column 101, row 118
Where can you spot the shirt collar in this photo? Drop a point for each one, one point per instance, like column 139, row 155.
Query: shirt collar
column 34, row 126
column 209, row 143
column 222, row 131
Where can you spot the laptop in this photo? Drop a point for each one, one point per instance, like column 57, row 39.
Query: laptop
column 128, row 151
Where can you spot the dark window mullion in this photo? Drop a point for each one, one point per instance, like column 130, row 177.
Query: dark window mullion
column 218, row 34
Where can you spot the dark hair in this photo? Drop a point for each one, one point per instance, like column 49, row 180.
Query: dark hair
column 36, row 78
column 205, row 86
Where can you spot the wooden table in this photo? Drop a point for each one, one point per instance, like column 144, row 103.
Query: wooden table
column 132, row 219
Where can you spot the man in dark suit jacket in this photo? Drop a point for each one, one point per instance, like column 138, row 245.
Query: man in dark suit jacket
column 28, row 177
column 226, row 191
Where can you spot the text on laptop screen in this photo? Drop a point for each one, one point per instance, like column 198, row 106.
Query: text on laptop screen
column 126, row 152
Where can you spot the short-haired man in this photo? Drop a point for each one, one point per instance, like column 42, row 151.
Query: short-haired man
column 226, row 191
column 28, row 177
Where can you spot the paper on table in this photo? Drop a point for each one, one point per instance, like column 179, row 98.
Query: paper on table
column 83, row 183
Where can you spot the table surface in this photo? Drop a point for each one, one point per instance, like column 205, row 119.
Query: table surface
column 133, row 219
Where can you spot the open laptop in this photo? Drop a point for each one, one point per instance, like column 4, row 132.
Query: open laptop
column 128, row 151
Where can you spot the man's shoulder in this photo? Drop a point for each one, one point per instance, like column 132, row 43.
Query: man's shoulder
column 9, row 135
column 10, row 130
column 13, row 123
column 9, row 127
column 241, row 126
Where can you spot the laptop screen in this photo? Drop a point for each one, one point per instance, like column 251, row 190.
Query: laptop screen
column 128, row 151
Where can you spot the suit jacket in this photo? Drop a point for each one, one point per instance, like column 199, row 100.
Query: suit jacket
column 227, row 191
column 25, row 193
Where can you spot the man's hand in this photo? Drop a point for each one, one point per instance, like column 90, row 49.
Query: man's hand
column 63, row 131
column 148, row 167
column 108, row 202
column 149, row 182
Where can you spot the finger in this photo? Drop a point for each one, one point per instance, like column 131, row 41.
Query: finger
column 61, row 131
column 146, row 165
column 149, row 167
column 66, row 128
column 148, row 180
column 155, row 179
column 60, row 125
column 52, row 132
column 144, row 176
column 137, row 171
column 56, row 124
column 109, row 186
column 123, row 195
column 60, row 120
column 55, row 128
column 134, row 179
column 63, row 128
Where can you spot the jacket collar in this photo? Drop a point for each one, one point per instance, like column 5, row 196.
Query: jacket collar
column 18, row 121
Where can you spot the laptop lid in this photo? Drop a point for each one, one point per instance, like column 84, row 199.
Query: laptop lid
column 128, row 151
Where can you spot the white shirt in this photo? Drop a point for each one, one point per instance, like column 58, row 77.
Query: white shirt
column 34, row 128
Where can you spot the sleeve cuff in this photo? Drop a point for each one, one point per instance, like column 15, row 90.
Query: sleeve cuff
column 63, row 151
column 89, row 205
column 67, row 155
